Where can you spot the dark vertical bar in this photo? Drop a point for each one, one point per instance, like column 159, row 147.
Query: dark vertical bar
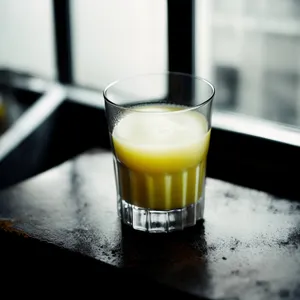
column 61, row 11
column 180, row 35
column 180, row 48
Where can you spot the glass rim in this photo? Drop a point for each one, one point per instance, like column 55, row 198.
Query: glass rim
column 187, row 75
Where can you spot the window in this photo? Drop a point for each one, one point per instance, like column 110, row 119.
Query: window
column 26, row 33
column 248, row 49
column 251, row 53
column 116, row 38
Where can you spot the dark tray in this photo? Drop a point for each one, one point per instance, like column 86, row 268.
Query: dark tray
column 247, row 248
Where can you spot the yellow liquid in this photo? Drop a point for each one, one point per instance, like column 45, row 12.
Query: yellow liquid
column 161, row 154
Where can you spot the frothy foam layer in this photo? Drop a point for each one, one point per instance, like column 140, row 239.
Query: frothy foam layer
column 159, row 138
column 152, row 130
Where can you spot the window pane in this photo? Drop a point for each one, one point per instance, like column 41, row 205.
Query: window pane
column 116, row 38
column 231, row 7
column 252, row 56
column 26, row 34
column 279, row 91
column 286, row 9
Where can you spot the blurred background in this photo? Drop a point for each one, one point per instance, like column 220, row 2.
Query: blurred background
column 250, row 50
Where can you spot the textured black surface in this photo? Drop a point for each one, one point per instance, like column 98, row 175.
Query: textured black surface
column 247, row 248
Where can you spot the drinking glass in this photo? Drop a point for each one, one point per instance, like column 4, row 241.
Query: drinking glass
column 160, row 126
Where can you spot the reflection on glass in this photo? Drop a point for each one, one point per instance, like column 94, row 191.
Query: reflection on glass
column 252, row 54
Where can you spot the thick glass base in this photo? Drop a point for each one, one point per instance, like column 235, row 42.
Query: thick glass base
column 161, row 221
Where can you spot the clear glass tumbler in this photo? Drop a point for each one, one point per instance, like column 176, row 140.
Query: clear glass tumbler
column 159, row 127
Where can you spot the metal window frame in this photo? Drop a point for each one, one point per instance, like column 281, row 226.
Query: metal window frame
column 63, row 43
